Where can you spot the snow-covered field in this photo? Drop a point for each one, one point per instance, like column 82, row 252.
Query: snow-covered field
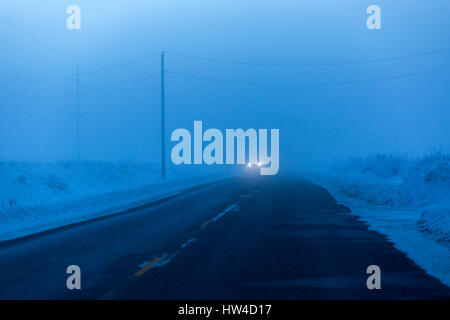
column 406, row 199
column 39, row 196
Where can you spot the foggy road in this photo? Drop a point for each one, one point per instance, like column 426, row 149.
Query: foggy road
column 250, row 237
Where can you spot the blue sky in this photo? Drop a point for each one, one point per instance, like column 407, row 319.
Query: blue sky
column 408, row 115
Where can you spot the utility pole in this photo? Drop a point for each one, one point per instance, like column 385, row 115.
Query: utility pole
column 163, row 140
column 78, row 113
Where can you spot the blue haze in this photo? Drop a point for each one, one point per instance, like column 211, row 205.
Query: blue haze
column 317, row 123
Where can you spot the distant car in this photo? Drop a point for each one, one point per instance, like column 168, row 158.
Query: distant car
column 254, row 166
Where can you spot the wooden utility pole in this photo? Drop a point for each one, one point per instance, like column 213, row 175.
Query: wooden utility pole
column 163, row 140
column 78, row 112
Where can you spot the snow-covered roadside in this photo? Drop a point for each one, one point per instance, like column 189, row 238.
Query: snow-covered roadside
column 408, row 200
column 40, row 197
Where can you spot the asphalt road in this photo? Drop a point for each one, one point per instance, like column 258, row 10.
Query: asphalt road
column 246, row 238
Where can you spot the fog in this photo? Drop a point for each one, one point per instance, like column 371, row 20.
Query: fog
column 326, row 95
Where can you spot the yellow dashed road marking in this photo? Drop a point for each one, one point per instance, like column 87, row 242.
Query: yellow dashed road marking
column 205, row 223
column 146, row 267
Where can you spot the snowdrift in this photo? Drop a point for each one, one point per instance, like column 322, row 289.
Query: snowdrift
column 36, row 197
column 422, row 183
column 399, row 182
column 25, row 184
column 436, row 221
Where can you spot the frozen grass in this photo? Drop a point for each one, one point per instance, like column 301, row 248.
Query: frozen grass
column 398, row 182
column 403, row 182
column 24, row 184
column 436, row 221
column 40, row 196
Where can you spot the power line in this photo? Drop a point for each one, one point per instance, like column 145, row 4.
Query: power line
column 84, row 91
column 29, row 57
column 54, row 76
column 137, row 60
column 127, row 63
column 72, row 75
column 309, row 65
column 120, row 83
column 58, row 54
column 28, row 35
column 28, row 97
column 215, row 79
column 323, row 84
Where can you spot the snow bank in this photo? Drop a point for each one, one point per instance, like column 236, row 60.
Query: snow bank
column 33, row 184
column 406, row 199
column 401, row 182
column 398, row 182
column 36, row 197
column 436, row 221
